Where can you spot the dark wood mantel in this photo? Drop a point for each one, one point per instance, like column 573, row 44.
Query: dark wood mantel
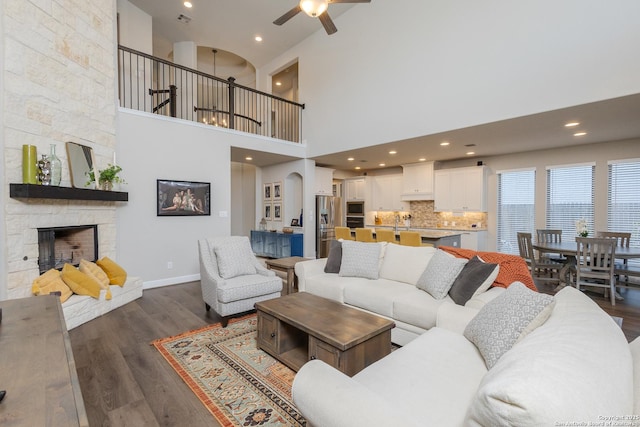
column 34, row 191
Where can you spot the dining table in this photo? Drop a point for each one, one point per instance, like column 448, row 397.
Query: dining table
column 569, row 249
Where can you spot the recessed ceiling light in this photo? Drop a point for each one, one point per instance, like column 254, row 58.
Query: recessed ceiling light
column 422, row 159
column 258, row 39
column 188, row 4
column 278, row 83
column 470, row 153
column 571, row 124
column 357, row 167
column 579, row 134
column 393, row 152
column 351, row 159
column 444, row 143
column 381, row 164
column 248, row 158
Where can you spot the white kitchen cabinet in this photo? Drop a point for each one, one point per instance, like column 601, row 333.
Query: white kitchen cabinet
column 355, row 188
column 475, row 240
column 324, row 181
column 387, row 193
column 417, row 181
column 461, row 189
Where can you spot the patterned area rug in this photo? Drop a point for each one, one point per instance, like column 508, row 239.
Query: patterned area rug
column 238, row 383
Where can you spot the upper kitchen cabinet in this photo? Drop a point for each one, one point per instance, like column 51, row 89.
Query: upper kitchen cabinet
column 324, row 181
column 355, row 188
column 386, row 193
column 461, row 189
column 417, row 181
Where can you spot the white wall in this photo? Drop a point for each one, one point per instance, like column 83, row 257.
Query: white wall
column 243, row 189
column 154, row 147
column 135, row 28
column 598, row 153
column 401, row 69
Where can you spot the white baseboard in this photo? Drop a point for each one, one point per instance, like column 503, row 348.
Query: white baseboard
column 170, row 281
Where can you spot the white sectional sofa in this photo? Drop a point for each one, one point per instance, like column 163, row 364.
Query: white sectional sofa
column 394, row 293
column 79, row 309
column 575, row 369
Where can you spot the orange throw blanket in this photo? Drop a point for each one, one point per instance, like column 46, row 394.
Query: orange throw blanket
column 512, row 267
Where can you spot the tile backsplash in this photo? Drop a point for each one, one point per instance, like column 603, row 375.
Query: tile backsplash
column 423, row 216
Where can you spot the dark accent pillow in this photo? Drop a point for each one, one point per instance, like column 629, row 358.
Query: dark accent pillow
column 334, row 260
column 473, row 276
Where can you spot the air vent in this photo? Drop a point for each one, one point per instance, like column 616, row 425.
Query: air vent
column 184, row 18
column 469, row 145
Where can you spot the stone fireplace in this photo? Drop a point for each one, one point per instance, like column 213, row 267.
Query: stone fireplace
column 60, row 245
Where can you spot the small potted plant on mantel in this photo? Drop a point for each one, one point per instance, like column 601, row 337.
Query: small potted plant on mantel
column 106, row 177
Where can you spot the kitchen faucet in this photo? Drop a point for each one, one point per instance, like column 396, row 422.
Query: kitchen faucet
column 397, row 218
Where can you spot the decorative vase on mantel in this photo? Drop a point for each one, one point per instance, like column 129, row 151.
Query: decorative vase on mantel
column 56, row 166
column 105, row 185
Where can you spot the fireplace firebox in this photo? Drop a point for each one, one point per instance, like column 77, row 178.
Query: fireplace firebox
column 60, row 245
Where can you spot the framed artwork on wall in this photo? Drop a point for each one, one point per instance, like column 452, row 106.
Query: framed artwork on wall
column 268, row 191
column 267, row 211
column 277, row 211
column 277, row 190
column 183, row 198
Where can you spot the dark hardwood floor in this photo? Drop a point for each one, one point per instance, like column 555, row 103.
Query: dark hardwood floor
column 125, row 381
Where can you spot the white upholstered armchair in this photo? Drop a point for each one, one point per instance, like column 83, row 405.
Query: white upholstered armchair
column 232, row 278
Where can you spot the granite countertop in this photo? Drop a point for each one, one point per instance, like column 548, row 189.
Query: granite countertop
column 425, row 232
column 451, row 230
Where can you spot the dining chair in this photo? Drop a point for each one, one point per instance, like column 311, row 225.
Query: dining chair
column 537, row 265
column 410, row 238
column 544, row 235
column 343, row 233
column 385, row 235
column 595, row 264
column 364, row 235
column 623, row 240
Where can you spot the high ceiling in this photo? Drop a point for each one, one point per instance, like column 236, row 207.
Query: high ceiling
column 233, row 24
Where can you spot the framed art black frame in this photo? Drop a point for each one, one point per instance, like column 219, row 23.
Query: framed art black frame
column 183, row 198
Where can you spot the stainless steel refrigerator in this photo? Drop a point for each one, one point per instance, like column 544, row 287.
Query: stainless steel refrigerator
column 328, row 216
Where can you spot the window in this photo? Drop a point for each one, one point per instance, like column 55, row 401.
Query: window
column 570, row 197
column 623, row 200
column 516, row 197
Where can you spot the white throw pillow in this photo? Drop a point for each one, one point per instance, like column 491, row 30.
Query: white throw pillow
column 234, row 259
column 499, row 324
column 405, row 263
column 360, row 259
column 440, row 274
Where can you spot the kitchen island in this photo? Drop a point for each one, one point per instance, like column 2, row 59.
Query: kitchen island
column 435, row 237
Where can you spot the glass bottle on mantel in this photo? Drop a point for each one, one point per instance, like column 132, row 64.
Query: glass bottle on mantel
column 56, row 166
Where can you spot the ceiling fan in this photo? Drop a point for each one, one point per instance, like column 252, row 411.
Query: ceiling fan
column 316, row 9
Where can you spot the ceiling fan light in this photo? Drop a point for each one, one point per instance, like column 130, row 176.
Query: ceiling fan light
column 314, row 8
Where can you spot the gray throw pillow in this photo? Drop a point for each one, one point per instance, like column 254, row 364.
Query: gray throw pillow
column 475, row 276
column 440, row 273
column 235, row 259
column 497, row 326
column 335, row 257
column 360, row 259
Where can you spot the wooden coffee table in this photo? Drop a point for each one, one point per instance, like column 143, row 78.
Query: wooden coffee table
column 300, row 327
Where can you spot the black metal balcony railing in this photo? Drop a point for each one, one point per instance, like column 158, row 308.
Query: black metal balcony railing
column 147, row 83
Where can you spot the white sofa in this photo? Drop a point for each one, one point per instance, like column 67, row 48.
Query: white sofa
column 575, row 369
column 79, row 309
column 394, row 294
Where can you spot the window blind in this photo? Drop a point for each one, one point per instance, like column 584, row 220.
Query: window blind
column 516, row 203
column 623, row 200
column 570, row 198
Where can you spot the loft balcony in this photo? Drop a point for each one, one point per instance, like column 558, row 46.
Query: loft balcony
column 151, row 84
